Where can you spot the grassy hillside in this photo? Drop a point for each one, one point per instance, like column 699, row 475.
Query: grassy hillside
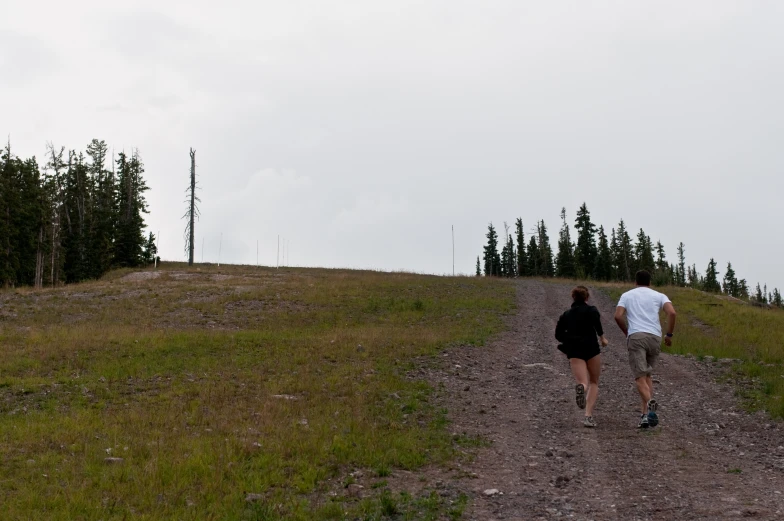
column 714, row 326
column 176, row 394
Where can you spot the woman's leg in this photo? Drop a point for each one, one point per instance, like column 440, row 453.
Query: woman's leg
column 594, row 368
column 580, row 372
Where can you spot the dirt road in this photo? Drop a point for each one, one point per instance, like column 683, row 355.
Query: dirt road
column 707, row 460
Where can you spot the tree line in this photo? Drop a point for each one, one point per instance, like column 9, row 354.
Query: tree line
column 598, row 256
column 74, row 219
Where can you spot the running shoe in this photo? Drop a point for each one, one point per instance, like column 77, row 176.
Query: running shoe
column 643, row 422
column 579, row 390
column 589, row 422
column 653, row 418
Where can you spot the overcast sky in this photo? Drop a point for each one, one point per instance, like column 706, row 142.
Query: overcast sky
column 361, row 131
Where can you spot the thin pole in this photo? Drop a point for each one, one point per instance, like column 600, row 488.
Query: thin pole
column 453, row 250
column 220, row 246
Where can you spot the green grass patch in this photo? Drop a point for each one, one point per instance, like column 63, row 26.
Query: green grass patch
column 175, row 397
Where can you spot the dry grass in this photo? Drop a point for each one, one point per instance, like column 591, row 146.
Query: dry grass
column 212, row 383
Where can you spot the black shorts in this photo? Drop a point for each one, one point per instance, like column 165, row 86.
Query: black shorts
column 582, row 353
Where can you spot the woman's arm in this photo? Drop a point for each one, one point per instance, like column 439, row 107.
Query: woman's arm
column 560, row 329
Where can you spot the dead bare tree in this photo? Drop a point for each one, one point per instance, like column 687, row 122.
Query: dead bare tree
column 193, row 211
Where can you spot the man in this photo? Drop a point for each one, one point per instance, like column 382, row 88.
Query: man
column 642, row 328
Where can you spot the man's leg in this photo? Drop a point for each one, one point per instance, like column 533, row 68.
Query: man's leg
column 644, row 387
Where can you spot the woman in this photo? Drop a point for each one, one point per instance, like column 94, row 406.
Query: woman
column 577, row 330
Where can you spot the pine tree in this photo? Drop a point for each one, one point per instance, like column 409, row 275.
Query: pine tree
column 694, row 277
column 586, row 251
column 150, row 250
column 681, row 281
column 564, row 261
column 644, row 252
column 711, row 282
column 731, row 286
column 624, row 254
column 603, row 264
column 132, row 205
column 533, row 257
column 492, row 259
column 522, row 257
column 615, row 255
column 478, row 267
column 101, row 240
column 546, row 267
column 758, row 297
column 777, row 300
column 661, row 258
column 743, row 289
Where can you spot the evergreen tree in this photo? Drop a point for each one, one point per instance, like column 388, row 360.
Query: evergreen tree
column 132, row 205
column 508, row 264
column 150, row 250
column 564, row 261
column 777, row 300
column 711, row 282
column 681, row 280
column 603, row 264
column 586, row 251
column 522, row 257
column 492, row 259
column 546, row 266
column 731, row 286
column 695, row 280
column 743, row 289
column 77, row 210
column 615, row 255
column 533, row 257
column 758, row 296
column 624, row 256
column 101, row 241
column 644, row 252
column 661, row 258
column 478, row 267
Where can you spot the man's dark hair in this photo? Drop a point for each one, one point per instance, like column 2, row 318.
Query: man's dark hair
column 643, row 278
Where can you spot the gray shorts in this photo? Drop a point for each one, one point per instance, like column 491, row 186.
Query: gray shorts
column 644, row 350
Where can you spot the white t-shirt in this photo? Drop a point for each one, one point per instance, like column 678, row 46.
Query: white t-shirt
column 643, row 306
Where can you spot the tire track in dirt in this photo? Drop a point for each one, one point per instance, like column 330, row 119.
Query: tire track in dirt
column 707, row 460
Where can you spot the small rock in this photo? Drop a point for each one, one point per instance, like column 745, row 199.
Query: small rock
column 549, row 454
column 355, row 490
column 490, row 492
column 394, row 396
column 113, row 460
column 303, row 422
column 102, row 379
column 467, row 388
column 252, row 498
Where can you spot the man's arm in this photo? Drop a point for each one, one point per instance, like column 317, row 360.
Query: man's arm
column 670, row 310
column 620, row 319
